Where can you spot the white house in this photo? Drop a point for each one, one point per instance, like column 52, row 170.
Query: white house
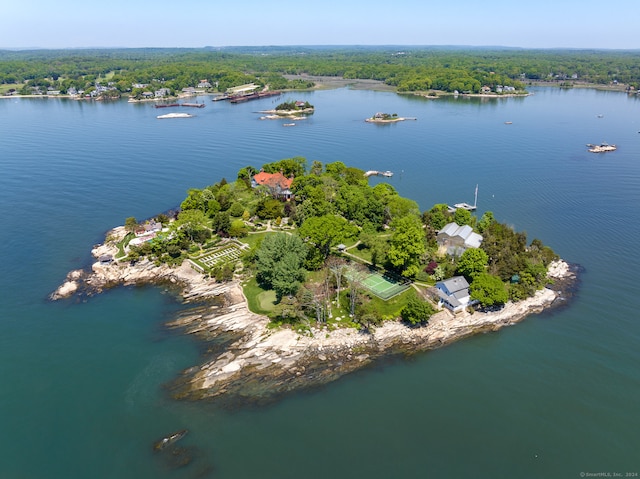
column 454, row 294
column 456, row 238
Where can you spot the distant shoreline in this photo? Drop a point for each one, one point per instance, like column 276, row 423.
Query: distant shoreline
column 330, row 83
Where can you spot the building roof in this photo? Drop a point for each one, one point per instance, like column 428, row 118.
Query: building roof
column 456, row 284
column 465, row 232
column 274, row 181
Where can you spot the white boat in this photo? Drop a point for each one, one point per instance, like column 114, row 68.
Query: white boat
column 288, row 124
column 174, row 115
column 602, row 148
column 467, row 206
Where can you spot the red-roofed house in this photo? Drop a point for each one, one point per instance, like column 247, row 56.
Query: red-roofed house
column 278, row 184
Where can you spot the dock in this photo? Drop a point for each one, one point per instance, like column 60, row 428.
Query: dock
column 465, row 206
column 387, row 173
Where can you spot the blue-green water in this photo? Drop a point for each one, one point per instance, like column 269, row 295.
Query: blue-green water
column 82, row 381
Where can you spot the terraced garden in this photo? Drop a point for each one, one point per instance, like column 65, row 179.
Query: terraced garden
column 224, row 254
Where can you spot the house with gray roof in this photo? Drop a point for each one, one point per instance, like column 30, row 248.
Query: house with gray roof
column 456, row 238
column 453, row 294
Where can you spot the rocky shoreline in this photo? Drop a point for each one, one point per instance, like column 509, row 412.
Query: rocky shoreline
column 249, row 362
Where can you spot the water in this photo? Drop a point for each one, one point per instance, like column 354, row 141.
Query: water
column 82, row 382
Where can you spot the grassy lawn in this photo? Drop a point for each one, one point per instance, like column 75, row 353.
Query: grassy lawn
column 123, row 243
column 253, row 239
column 361, row 252
column 6, row 87
column 393, row 306
column 260, row 301
column 267, row 300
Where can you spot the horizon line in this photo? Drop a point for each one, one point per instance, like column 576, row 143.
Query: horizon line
column 354, row 45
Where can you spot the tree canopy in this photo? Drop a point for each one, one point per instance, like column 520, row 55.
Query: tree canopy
column 137, row 70
column 279, row 263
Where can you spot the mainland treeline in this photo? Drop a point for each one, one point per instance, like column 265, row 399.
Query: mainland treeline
column 313, row 213
column 411, row 69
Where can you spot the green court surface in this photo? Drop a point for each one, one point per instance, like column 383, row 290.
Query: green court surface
column 384, row 286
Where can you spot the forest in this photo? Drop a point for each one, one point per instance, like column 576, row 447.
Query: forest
column 405, row 68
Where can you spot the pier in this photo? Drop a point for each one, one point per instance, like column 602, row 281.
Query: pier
column 465, row 206
column 387, row 173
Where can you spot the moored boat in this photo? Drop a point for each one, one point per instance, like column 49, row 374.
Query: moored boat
column 174, row 115
column 602, row 148
column 170, row 439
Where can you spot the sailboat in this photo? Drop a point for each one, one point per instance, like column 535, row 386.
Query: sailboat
column 467, row 206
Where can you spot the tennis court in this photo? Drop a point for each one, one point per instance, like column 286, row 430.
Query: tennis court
column 385, row 286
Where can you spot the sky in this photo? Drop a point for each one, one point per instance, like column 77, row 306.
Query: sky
column 199, row 23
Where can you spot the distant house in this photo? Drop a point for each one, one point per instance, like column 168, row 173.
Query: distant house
column 278, row 184
column 203, row 84
column 162, row 92
column 453, row 294
column 456, row 238
column 148, row 227
column 152, row 226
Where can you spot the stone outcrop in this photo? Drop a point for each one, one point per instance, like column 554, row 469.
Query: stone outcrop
column 261, row 363
column 249, row 361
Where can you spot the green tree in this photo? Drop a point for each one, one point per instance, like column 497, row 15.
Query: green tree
column 437, row 217
column 416, row 311
column 463, row 217
column 279, row 262
column 130, row 224
column 213, row 207
column 399, row 206
column 486, row 220
column 269, row 208
column 191, row 222
column 221, row 223
column 407, row 245
column 326, row 231
column 489, row 290
column 472, row 262
column 193, row 200
column 238, row 229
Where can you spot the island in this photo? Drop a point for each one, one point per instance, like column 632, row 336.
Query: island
column 290, row 109
column 387, row 118
column 294, row 287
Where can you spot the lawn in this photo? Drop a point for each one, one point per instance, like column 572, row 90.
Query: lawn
column 8, row 86
column 253, row 239
column 260, row 301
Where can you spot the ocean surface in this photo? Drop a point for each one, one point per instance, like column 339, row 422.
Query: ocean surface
column 82, row 390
